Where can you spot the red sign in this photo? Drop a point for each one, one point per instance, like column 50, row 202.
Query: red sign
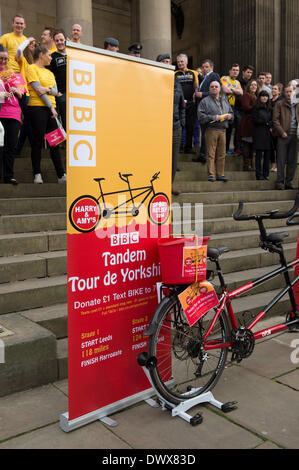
column 197, row 300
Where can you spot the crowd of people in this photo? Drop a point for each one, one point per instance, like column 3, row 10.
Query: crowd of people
column 240, row 114
column 33, row 93
column 209, row 109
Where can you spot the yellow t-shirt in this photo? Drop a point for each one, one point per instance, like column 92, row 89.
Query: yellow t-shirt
column 231, row 82
column 53, row 49
column 46, row 79
column 11, row 41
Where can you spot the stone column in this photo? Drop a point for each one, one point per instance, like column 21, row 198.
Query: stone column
column 155, row 27
column 69, row 12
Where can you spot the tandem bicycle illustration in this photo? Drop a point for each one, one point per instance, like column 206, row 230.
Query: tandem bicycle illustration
column 86, row 211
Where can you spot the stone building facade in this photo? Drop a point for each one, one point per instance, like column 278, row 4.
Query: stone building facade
column 263, row 33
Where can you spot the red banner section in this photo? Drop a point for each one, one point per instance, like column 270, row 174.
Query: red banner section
column 118, row 198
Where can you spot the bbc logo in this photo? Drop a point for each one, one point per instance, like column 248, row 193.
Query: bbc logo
column 124, row 238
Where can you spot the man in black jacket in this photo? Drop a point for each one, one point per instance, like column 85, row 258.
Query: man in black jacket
column 209, row 76
column 178, row 125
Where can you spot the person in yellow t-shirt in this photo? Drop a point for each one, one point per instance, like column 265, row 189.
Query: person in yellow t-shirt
column 47, row 39
column 231, row 87
column 42, row 111
column 13, row 40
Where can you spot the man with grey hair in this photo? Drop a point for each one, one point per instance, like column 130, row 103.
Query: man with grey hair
column 189, row 81
column 77, row 33
column 295, row 85
column 215, row 113
column 285, row 120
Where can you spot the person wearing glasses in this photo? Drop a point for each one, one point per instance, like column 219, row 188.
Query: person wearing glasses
column 215, row 113
column 10, row 117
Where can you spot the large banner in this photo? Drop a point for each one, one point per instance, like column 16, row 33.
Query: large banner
column 118, row 201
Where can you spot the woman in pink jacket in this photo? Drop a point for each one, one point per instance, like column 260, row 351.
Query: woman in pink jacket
column 10, row 117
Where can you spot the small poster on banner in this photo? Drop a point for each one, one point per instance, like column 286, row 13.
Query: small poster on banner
column 195, row 257
column 197, row 300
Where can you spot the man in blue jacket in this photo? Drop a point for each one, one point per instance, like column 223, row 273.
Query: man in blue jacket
column 209, row 76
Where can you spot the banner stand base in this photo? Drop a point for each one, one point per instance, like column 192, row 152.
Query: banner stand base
column 102, row 414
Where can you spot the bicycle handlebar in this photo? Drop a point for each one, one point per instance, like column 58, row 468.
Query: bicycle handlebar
column 155, row 176
column 290, row 220
column 274, row 214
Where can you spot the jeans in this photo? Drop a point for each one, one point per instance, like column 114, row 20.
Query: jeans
column 43, row 122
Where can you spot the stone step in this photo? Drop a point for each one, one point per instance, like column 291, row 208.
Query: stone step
column 31, row 190
column 200, row 174
column 20, row 206
column 36, row 242
column 20, row 268
column 53, row 318
column 62, row 358
column 220, row 225
column 237, row 279
column 30, row 355
column 33, row 293
column 232, row 163
column 228, row 209
column 234, row 196
column 32, row 223
column 203, row 186
column 237, row 260
column 249, row 238
column 256, row 304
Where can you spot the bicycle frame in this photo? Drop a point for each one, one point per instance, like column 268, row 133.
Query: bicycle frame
column 147, row 190
column 228, row 296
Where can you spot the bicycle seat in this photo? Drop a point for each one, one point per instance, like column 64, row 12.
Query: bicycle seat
column 98, row 179
column 214, row 253
column 126, row 176
column 276, row 237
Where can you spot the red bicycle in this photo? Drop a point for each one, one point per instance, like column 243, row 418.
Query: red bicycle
column 185, row 361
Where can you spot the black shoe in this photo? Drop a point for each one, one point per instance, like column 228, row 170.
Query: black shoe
column 11, row 181
column 178, row 169
column 222, row 178
column 260, row 178
column 279, row 186
column 290, row 186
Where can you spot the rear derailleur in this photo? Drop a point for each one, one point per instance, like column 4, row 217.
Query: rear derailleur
column 243, row 344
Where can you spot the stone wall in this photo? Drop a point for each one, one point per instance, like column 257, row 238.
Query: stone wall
column 112, row 18
column 37, row 13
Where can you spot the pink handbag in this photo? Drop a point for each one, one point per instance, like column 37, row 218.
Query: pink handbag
column 57, row 136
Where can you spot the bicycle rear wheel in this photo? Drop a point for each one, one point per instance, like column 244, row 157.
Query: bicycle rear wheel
column 182, row 369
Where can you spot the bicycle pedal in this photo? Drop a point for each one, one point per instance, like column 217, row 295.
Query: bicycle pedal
column 229, row 406
column 196, row 419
